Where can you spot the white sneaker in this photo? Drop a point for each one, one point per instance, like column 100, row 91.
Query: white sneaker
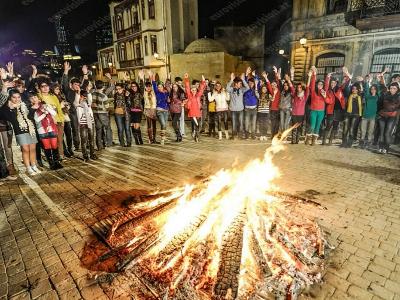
column 36, row 169
column 31, row 172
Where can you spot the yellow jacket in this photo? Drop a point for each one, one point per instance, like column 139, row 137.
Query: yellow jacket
column 53, row 101
column 350, row 104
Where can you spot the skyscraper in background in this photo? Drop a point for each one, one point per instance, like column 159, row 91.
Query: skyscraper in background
column 63, row 46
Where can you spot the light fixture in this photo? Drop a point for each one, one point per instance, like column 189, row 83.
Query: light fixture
column 110, row 64
column 303, row 41
column 156, row 55
column 93, row 67
column 281, row 52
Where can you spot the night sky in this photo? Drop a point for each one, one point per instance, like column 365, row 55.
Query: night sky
column 26, row 22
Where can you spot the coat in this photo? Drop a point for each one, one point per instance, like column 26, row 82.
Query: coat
column 194, row 101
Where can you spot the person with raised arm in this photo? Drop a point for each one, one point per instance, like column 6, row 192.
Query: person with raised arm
column 220, row 97
column 273, row 90
column 162, row 107
column 236, row 88
column 300, row 95
column 317, row 113
column 194, row 95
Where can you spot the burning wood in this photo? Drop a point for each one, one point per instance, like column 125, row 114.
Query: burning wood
column 230, row 237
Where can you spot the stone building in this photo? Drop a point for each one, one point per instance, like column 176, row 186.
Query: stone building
column 106, row 62
column 207, row 57
column 363, row 35
column 147, row 32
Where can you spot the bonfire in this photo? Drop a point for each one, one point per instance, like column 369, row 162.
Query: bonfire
column 231, row 236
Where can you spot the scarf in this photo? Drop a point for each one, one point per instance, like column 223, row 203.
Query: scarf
column 300, row 95
column 24, row 123
column 350, row 104
column 86, row 111
column 48, row 120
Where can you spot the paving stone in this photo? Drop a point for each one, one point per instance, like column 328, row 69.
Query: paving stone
column 358, row 293
column 41, row 288
column 71, row 295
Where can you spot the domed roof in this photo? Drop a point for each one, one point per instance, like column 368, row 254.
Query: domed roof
column 205, row 45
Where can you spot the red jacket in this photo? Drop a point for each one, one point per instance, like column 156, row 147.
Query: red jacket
column 299, row 103
column 333, row 95
column 317, row 100
column 194, row 101
column 276, row 99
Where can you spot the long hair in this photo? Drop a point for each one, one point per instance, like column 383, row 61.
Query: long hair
column 138, row 87
column 316, row 86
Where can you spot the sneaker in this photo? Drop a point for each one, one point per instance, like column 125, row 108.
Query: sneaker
column 162, row 142
column 85, row 158
column 36, row 169
column 31, row 172
column 384, row 151
column 94, row 157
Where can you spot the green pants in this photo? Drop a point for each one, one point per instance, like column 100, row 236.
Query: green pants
column 316, row 118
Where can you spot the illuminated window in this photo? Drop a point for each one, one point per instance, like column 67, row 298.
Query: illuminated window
column 386, row 59
column 330, row 63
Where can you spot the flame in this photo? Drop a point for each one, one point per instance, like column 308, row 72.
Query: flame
column 194, row 237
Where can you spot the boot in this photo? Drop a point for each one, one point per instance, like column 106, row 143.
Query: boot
column 331, row 136
column 178, row 136
column 308, row 139
column 314, row 139
column 49, row 157
column 56, row 159
column 220, row 135
column 227, row 134
column 135, row 136
column 294, row 134
column 162, row 135
column 139, row 132
column 324, row 137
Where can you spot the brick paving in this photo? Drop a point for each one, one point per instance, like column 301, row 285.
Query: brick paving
column 44, row 220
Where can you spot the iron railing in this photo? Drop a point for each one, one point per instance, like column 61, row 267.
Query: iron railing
column 375, row 8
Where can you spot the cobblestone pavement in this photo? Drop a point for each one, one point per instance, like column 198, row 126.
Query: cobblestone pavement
column 44, row 220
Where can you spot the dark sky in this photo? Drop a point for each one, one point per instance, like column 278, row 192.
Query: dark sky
column 26, row 22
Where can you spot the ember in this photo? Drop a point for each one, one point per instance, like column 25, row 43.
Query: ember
column 233, row 236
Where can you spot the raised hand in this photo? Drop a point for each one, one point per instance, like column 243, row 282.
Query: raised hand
column 141, row 74
column 292, row 71
column 203, row 78
column 359, row 79
column 34, row 71
column 310, row 73
column 67, row 67
column 253, row 73
column 265, row 75
column 150, row 74
column 10, row 68
column 346, row 71
column 248, row 71
column 108, row 75
column 323, row 93
column 275, row 69
column 186, row 76
column 243, row 77
column 3, row 73
column 232, row 76
column 287, row 77
column 314, row 70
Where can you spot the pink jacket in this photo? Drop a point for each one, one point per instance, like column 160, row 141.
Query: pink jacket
column 299, row 103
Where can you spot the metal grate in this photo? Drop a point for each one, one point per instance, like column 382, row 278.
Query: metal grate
column 386, row 59
column 373, row 8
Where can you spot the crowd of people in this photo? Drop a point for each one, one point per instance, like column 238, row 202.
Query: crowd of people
column 58, row 118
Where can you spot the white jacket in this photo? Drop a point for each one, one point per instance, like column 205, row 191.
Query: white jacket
column 84, row 110
column 221, row 100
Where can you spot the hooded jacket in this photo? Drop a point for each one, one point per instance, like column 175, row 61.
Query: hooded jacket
column 236, row 96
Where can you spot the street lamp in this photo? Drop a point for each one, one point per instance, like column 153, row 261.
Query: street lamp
column 94, row 67
column 303, row 43
column 281, row 52
column 110, row 64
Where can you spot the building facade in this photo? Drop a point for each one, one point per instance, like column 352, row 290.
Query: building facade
column 106, row 62
column 363, row 35
column 147, row 32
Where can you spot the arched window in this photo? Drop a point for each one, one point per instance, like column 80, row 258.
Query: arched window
column 329, row 63
column 120, row 23
column 386, row 59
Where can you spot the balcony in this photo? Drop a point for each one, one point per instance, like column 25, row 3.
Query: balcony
column 374, row 14
column 133, row 63
column 135, row 28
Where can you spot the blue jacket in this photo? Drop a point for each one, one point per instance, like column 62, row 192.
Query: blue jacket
column 250, row 99
column 162, row 97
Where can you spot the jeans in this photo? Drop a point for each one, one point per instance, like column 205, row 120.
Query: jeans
column 102, row 123
column 348, row 129
column 263, row 119
column 285, row 115
column 175, row 121
column 75, row 129
column 367, row 129
column 68, row 137
column 87, row 138
column 124, row 129
column 316, row 118
column 327, row 131
column 212, row 116
column 162, row 118
column 296, row 132
column 237, row 122
column 182, row 121
column 204, row 115
column 60, row 138
column 386, row 127
column 222, row 118
column 250, row 116
column 274, row 115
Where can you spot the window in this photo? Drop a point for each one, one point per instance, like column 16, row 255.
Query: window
column 336, row 6
column 120, row 23
column 153, row 42
column 152, row 9
column 122, row 52
column 138, row 51
column 135, row 18
column 146, row 50
column 329, row 63
column 386, row 59
column 143, row 8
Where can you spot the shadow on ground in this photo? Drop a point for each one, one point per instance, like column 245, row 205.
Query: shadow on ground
column 387, row 174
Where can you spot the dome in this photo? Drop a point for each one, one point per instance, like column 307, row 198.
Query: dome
column 204, row 45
